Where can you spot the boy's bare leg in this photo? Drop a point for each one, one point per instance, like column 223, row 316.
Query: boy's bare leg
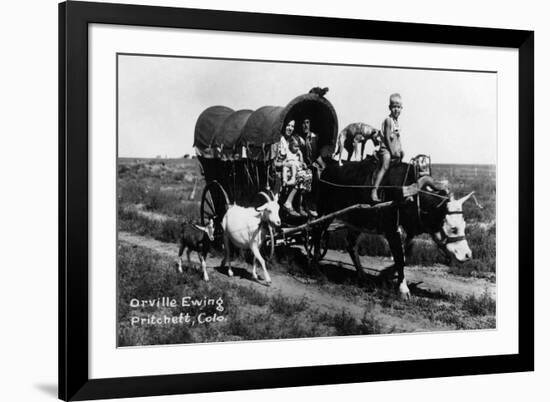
column 292, row 180
column 356, row 151
column 339, row 147
column 380, row 175
column 289, row 200
column 321, row 163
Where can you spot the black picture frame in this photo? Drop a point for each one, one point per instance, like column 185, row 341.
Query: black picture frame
column 74, row 381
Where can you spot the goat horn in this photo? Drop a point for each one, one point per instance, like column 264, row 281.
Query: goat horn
column 266, row 196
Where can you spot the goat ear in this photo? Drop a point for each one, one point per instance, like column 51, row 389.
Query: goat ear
column 261, row 207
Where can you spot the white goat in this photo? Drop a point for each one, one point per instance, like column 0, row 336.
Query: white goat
column 243, row 227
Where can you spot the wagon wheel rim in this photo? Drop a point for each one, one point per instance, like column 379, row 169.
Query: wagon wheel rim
column 208, row 210
column 268, row 246
column 214, row 204
column 309, row 247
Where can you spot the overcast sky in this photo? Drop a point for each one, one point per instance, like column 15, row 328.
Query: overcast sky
column 450, row 115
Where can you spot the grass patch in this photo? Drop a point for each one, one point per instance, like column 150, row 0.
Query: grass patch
column 250, row 314
column 287, row 307
column 479, row 306
column 167, row 230
column 346, row 324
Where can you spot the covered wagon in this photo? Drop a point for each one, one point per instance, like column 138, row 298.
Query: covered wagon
column 237, row 148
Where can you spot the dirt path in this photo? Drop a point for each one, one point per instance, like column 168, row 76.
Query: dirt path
column 433, row 279
column 325, row 297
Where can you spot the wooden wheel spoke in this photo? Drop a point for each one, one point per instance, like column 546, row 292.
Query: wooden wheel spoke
column 214, row 204
column 209, row 202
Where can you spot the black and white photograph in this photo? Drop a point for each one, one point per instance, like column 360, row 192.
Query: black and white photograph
column 265, row 200
column 276, row 201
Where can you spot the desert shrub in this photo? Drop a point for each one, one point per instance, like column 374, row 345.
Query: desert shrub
column 239, row 325
column 483, row 305
column 287, row 307
column 266, row 325
column 486, row 236
column 450, row 317
column 122, row 169
column 178, row 176
column 373, row 244
column 297, row 327
column 161, row 201
column 131, row 192
column 482, row 242
column 188, row 211
column 252, row 296
column 171, row 203
column 167, row 230
column 346, row 324
column 424, row 252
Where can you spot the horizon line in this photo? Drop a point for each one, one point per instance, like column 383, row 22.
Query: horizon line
column 195, row 156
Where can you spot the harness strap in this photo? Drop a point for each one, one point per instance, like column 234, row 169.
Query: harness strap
column 445, row 239
column 454, row 239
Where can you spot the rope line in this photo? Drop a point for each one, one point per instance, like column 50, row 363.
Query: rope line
column 354, row 185
column 369, row 186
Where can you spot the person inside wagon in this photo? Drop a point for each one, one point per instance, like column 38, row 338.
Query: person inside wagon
column 312, row 154
column 293, row 163
column 313, row 157
column 290, row 159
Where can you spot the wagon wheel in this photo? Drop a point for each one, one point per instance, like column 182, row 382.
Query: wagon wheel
column 268, row 245
column 214, row 204
column 308, row 244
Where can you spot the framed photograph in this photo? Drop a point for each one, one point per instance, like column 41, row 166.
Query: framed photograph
column 259, row 201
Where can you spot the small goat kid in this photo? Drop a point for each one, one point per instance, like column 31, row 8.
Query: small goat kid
column 244, row 227
column 196, row 238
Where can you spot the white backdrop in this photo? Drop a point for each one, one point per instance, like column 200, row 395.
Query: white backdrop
column 29, row 199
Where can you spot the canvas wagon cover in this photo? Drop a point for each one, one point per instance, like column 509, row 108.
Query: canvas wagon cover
column 257, row 133
column 230, row 131
column 208, row 125
column 263, row 126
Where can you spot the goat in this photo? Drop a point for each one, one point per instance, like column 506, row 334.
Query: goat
column 244, row 228
column 196, row 238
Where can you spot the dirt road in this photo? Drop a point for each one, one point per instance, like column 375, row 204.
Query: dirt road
column 334, row 296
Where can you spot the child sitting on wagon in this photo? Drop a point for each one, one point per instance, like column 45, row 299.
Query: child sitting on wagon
column 293, row 163
column 390, row 145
